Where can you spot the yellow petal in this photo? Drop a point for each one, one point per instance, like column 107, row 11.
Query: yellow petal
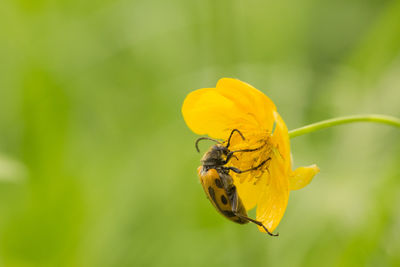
column 205, row 111
column 302, row 176
column 273, row 201
column 232, row 104
column 280, row 138
column 249, row 99
column 249, row 192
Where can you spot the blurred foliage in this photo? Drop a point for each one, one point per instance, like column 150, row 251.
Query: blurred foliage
column 99, row 169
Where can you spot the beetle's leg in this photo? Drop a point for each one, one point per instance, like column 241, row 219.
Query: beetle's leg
column 230, row 154
column 234, row 198
column 230, row 136
column 256, row 222
column 251, row 169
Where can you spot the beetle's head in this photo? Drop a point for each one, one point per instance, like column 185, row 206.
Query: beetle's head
column 215, row 156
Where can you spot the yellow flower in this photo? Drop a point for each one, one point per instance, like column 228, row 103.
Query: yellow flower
column 234, row 104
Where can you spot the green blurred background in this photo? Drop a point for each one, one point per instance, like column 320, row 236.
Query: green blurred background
column 97, row 167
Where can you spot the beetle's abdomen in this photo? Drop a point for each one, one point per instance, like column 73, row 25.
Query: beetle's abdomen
column 219, row 197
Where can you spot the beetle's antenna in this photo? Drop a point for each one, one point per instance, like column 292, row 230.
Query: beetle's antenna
column 229, row 139
column 204, row 138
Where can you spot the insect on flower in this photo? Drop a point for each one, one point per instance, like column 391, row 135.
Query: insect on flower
column 218, row 184
column 233, row 104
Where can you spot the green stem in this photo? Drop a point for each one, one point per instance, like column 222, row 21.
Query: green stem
column 343, row 120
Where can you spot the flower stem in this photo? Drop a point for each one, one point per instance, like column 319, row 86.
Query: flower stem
column 343, row 120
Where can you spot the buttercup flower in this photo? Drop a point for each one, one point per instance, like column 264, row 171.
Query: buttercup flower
column 234, row 104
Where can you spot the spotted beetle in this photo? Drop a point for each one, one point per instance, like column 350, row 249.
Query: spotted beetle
column 218, row 184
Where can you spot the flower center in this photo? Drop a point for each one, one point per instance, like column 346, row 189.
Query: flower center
column 261, row 155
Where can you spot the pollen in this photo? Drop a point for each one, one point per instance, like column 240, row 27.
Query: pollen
column 260, row 154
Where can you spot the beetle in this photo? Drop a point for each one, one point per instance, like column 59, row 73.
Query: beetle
column 218, row 184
